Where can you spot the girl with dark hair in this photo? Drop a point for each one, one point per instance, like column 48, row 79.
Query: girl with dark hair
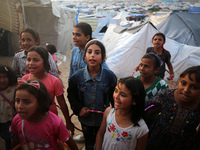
column 29, row 37
column 158, row 42
column 8, row 80
column 35, row 126
column 82, row 33
column 175, row 129
column 91, row 88
column 38, row 66
column 122, row 126
column 149, row 66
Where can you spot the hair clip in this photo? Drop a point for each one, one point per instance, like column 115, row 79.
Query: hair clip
column 6, row 68
column 33, row 83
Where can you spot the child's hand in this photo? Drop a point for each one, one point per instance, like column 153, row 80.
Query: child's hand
column 170, row 77
column 83, row 112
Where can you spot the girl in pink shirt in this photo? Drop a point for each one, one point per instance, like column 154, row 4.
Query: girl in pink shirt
column 35, row 126
column 38, row 66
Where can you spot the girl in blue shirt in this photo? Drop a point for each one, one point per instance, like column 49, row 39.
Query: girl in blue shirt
column 91, row 88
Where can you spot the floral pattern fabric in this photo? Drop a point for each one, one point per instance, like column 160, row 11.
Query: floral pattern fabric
column 117, row 138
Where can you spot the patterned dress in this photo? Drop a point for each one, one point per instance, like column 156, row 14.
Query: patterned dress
column 117, row 138
column 175, row 129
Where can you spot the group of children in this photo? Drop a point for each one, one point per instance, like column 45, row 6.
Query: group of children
column 112, row 114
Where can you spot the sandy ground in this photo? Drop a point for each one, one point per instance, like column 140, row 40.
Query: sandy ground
column 64, row 68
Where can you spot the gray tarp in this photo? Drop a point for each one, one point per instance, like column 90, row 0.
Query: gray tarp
column 182, row 27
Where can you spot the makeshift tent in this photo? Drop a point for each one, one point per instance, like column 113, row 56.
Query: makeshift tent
column 194, row 10
column 182, row 27
column 53, row 22
column 128, row 49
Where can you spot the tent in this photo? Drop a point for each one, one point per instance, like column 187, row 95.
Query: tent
column 125, row 50
column 182, row 27
column 194, row 10
column 53, row 22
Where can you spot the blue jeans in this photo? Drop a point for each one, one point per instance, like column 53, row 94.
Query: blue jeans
column 90, row 133
column 5, row 134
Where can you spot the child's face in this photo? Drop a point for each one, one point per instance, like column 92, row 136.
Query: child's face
column 79, row 38
column 34, row 63
column 188, row 92
column 26, row 105
column 93, row 55
column 147, row 68
column 158, row 41
column 4, row 81
column 122, row 97
column 27, row 41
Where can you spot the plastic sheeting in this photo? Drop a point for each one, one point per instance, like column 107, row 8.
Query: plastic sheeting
column 183, row 27
column 128, row 49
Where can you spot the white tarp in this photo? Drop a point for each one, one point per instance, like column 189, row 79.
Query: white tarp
column 129, row 49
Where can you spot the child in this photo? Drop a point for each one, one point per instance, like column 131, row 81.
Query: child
column 82, row 33
column 91, row 88
column 38, row 66
column 175, row 129
column 52, row 50
column 158, row 41
column 122, row 127
column 149, row 66
column 8, row 80
column 34, row 125
column 29, row 37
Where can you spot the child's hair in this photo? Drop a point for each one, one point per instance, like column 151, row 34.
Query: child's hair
column 156, row 59
column 192, row 70
column 159, row 34
column 85, row 27
column 98, row 43
column 51, row 48
column 12, row 77
column 41, row 94
column 33, row 32
column 137, row 90
column 43, row 53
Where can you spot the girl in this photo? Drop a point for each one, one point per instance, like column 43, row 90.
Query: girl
column 158, row 41
column 38, row 66
column 29, row 37
column 82, row 33
column 34, row 125
column 122, row 127
column 91, row 88
column 175, row 129
column 149, row 66
column 8, row 80
column 52, row 50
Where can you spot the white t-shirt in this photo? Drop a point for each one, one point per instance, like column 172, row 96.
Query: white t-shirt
column 117, row 138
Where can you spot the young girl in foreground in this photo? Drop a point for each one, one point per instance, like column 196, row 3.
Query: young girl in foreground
column 38, row 66
column 91, row 88
column 34, row 125
column 122, row 127
column 175, row 129
column 8, row 80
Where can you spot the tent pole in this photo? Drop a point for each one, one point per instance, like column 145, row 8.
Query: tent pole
column 23, row 12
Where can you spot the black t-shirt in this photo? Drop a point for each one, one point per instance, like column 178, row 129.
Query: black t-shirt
column 165, row 58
